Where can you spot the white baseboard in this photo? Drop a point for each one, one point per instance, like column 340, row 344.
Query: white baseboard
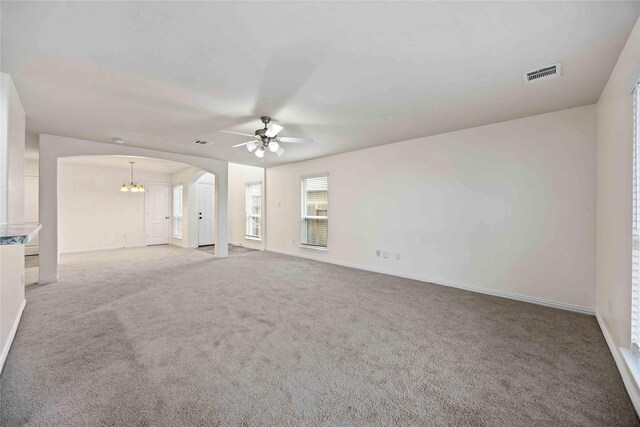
column 106, row 248
column 502, row 294
column 12, row 335
column 627, row 379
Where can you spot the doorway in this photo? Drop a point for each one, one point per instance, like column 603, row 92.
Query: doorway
column 158, row 216
column 206, row 209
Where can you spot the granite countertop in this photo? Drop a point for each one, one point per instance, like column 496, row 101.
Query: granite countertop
column 18, row 234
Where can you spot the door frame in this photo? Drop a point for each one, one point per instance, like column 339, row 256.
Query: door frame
column 146, row 210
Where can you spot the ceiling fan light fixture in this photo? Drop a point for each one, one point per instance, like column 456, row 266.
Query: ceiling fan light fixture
column 260, row 152
column 280, row 152
column 273, row 130
column 251, row 146
column 273, row 146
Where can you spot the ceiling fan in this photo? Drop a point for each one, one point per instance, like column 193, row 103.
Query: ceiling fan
column 267, row 138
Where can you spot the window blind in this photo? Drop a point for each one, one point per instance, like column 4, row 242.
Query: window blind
column 635, row 250
column 253, row 209
column 177, row 211
column 315, row 211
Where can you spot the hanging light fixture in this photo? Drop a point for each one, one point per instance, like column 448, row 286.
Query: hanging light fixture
column 132, row 185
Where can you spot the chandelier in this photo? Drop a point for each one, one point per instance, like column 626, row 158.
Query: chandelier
column 132, row 186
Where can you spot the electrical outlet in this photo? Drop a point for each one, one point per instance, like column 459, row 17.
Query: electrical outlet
column 378, row 253
column 385, row 254
column 610, row 306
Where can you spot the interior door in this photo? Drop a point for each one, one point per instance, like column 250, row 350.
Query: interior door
column 157, row 214
column 206, row 211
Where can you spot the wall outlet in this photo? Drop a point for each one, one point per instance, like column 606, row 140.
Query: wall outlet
column 385, row 254
column 610, row 306
column 378, row 253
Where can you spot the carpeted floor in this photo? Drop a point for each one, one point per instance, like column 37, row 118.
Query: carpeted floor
column 169, row 336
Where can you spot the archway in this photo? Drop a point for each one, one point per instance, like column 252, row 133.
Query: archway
column 53, row 148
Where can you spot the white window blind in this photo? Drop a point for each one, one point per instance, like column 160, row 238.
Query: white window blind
column 177, row 212
column 635, row 251
column 253, row 210
column 315, row 211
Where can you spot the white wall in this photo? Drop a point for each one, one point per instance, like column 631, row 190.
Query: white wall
column 31, row 199
column 92, row 211
column 239, row 177
column 615, row 172
column 53, row 148
column 12, row 135
column 507, row 208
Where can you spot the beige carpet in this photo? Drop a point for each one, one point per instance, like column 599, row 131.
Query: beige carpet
column 168, row 336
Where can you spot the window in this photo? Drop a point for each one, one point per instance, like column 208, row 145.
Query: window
column 253, row 209
column 177, row 212
column 315, row 211
column 635, row 251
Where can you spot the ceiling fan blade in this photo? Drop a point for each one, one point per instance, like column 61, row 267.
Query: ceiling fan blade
column 292, row 140
column 240, row 145
column 236, row 133
column 273, row 130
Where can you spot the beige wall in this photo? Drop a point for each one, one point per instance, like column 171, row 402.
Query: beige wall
column 31, row 198
column 507, row 208
column 239, row 177
column 615, row 153
column 94, row 214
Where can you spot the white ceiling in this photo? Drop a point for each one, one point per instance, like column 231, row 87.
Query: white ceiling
column 348, row 74
column 142, row 164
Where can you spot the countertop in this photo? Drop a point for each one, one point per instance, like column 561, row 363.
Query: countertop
column 18, row 234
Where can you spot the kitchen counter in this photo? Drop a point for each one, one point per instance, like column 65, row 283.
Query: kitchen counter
column 18, row 234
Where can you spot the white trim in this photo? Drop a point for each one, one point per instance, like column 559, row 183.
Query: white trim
column 314, row 175
column 257, row 239
column 627, row 379
column 12, row 335
column 314, row 248
column 502, row 294
column 105, row 248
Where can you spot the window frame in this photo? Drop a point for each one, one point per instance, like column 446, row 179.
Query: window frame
column 304, row 217
column 174, row 216
column 247, row 211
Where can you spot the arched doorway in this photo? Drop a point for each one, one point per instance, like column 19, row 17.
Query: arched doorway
column 52, row 148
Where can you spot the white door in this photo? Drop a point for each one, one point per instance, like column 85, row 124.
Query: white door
column 157, row 214
column 206, row 221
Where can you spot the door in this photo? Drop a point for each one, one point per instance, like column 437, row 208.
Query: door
column 157, row 214
column 206, row 218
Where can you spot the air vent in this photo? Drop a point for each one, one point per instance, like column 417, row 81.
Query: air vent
column 546, row 73
column 200, row 142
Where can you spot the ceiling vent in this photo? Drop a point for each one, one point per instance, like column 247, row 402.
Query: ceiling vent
column 545, row 73
column 200, row 142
